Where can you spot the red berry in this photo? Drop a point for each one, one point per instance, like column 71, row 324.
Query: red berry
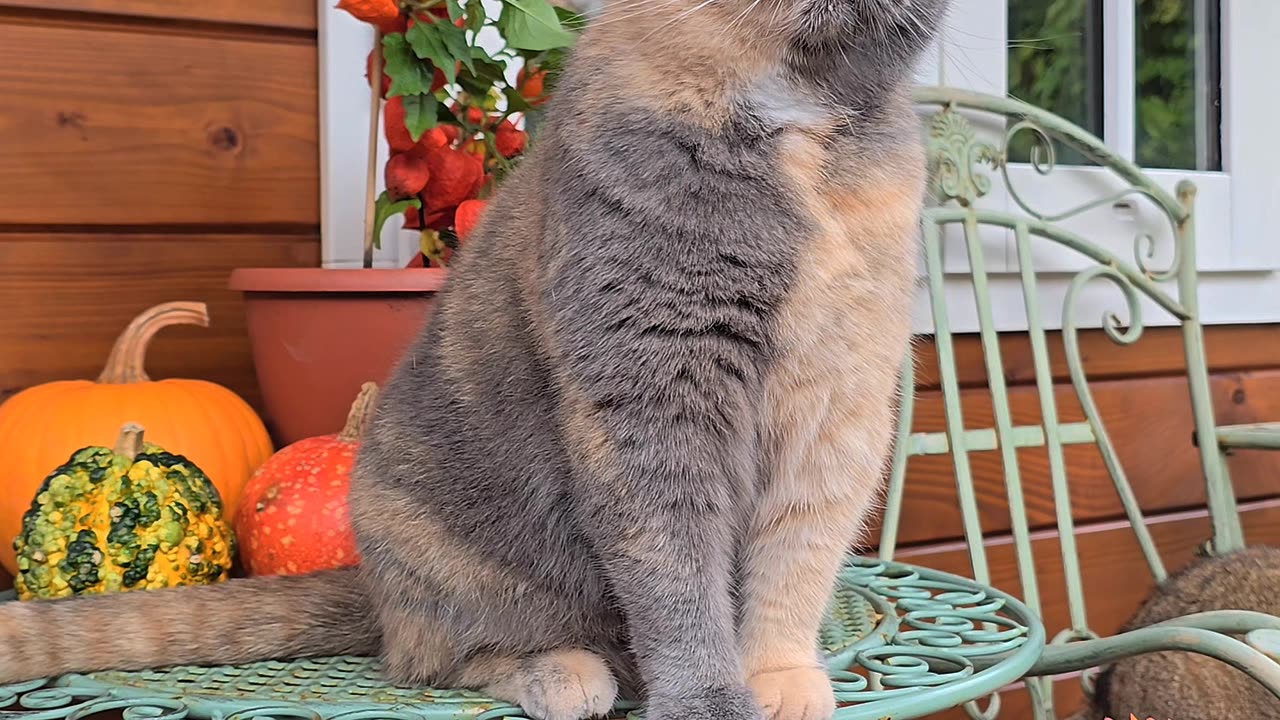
column 467, row 217
column 432, row 139
column 440, row 220
column 383, row 13
column 393, row 123
column 452, row 175
column 412, row 219
column 406, row 175
column 368, row 74
column 509, row 140
column 532, row 83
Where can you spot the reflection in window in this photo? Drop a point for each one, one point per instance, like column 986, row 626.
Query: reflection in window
column 1055, row 62
column 1179, row 99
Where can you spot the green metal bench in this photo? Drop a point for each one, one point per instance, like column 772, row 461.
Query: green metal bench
column 963, row 167
column 900, row 641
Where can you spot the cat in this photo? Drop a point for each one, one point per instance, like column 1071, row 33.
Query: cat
column 653, row 407
column 1190, row 686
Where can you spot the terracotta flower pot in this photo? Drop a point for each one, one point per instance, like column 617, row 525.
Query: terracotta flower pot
column 318, row 335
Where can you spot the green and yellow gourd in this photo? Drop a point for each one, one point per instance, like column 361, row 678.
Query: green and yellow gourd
column 130, row 518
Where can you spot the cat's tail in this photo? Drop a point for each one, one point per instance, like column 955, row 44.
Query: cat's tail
column 233, row 622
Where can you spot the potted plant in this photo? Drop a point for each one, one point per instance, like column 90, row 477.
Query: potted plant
column 455, row 117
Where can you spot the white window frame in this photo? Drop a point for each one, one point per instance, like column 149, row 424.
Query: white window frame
column 1238, row 210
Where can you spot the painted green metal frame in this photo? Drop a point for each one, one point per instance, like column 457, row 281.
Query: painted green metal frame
column 963, row 166
column 900, row 641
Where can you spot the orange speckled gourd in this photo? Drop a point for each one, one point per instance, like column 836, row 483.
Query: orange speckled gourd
column 293, row 517
column 42, row 426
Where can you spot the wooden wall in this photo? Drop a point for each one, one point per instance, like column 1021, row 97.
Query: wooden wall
column 147, row 148
column 1142, row 396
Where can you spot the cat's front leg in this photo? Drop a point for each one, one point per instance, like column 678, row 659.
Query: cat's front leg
column 826, row 465
column 659, row 495
column 667, row 457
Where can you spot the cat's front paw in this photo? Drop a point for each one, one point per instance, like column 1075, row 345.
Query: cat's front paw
column 802, row 693
column 715, row 704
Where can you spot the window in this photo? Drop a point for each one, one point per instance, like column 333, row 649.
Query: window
column 1186, row 88
column 1181, row 87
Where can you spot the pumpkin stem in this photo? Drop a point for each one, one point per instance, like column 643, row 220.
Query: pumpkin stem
column 129, row 442
column 128, row 355
column 361, row 410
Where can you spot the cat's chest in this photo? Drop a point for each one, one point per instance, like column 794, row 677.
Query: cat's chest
column 854, row 266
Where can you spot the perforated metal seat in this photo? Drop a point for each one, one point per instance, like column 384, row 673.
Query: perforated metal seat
column 895, row 636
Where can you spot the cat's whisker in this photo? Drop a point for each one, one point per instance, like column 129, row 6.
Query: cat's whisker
column 675, row 19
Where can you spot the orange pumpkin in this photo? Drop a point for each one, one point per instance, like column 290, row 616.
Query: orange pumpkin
column 210, row 425
column 294, row 518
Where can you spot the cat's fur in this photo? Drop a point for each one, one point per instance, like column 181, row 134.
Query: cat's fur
column 652, row 409
column 1190, row 686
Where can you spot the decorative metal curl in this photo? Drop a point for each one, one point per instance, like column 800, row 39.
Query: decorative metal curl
column 955, row 151
column 1116, row 329
column 135, row 709
column 10, row 694
column 1044, row 144
column 48, row 702
column 1120, row 335
column 1145, row 242
column 1089, row 676
column 276, row 712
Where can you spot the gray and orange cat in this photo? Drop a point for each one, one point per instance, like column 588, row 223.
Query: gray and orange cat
column 653, row 408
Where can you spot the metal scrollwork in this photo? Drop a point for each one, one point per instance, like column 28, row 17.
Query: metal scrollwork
column 1121, row 334
column 956, row 150
column 896, row 637
column 1044, row 160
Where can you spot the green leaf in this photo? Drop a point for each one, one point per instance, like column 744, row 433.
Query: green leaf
column 384, row 208
column 484, row 74
column 475, row 15
column 445, row 116
column 455, row 10
column 572, row 21
column 444, row 44
column 409, row 75
column 532, row 25
column 516, row 101
column 420, row 114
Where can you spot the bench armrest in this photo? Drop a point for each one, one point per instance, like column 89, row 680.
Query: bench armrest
column 1255, row 436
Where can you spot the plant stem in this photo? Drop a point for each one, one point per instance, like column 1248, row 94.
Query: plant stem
column 371, row 188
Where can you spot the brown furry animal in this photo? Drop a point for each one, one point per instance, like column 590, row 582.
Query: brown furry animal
column 653, row 407
column 1189, row 686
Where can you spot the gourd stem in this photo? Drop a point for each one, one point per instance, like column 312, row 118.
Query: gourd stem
column 129, row 443
column 361, row 410
column 128, row 356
